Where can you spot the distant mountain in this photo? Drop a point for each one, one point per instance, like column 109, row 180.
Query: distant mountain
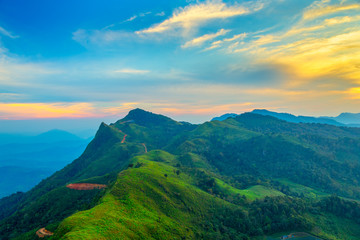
column 348, row 118
column 26, row 160
column 224, row 117
column 56, row 135
column 247, row 177
column 297, row 119
column 83, row 127
column 344, row 119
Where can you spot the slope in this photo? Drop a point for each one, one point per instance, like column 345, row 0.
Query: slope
column 151, row 200
column 230, row 168
column 106, row 155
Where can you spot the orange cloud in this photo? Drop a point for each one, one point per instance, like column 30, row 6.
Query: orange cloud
column 204, row 109
column 354, row 93
column 43, row 110
column 319, row 12
column 17, row 111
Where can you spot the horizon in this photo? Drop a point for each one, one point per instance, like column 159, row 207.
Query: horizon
column 186, row 59
column 87, row 127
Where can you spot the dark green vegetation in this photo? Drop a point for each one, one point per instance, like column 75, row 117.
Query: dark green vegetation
column 242, row 178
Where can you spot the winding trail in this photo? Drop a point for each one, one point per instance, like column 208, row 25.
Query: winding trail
column 123, row 140
column 85, row 186
column 144, row 147
column 42, row 232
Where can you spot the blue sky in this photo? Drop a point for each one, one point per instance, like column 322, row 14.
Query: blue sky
column 187, row 59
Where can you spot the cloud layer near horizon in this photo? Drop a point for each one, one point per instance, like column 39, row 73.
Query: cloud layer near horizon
column 200, row 58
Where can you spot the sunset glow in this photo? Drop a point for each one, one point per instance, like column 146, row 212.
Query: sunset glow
column 191, row 58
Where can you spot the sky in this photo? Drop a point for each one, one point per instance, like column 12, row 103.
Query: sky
column 188, row 59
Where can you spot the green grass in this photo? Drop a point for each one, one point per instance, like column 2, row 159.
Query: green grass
column 258, row 191
column 251, row 193
column 308, row 192
column 331, row 227
column 145, row 204
column 151, row 201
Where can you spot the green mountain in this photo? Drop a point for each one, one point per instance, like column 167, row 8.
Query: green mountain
column 288, row 117
column 248, row 177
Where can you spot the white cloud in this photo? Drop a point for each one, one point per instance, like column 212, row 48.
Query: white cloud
column 3, row 31
column 131, row 19
column 207, row 37
column 132, row 71
column 160, row 14
column 194, row 15
column 236, row 37
column 140, row 15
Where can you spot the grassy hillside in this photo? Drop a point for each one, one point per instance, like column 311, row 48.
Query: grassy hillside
column 151, row 201
column 243, row 177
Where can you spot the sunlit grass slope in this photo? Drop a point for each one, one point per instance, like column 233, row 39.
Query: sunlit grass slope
column 148, row 201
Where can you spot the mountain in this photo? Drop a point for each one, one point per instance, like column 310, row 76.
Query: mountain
column 83, row 127
column 26, row 160
column 348, row 118
column 297, row 119
column 344, row 119
column 247, row 177
column 287, row 117
column 224, row 117
column 56, row 135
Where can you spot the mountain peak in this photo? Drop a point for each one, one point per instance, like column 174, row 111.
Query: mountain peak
column 146, row 118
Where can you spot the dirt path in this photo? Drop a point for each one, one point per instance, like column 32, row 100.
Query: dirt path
column 85, row 186
column 42, row 232
column 144, row 147
column 124, row 138
column 128, row 121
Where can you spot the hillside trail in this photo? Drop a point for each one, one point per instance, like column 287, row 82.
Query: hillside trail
column 42, row 232
column 145, row 147
column 124, row 138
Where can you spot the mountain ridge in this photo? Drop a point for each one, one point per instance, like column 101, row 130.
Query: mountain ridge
column 344, row 119
column 240, row 165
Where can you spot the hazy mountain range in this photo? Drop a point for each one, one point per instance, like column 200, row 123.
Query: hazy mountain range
column 26, row 160
column 344, row 119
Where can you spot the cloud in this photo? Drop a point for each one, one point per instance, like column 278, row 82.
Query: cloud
column 131, row 18
column 132, row 71
column 15, row 72
column 43, row 110
column 321, row 8
column 340, row 20
column 102, row 37
column 236, row 38
column 195, row 15
column 354, row 93
column 207, row 37
column 160, row 14
column 337, row 56
column 4, row 32
column 202, row 109
column 18, row 111
column 140, row 15
column 309, row 51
